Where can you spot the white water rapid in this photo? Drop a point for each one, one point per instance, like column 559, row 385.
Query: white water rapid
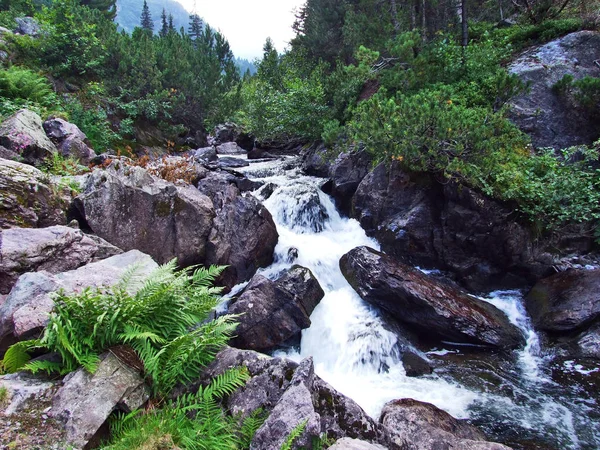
column 353, row 349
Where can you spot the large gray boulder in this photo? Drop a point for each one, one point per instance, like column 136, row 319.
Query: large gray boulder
column 588, row 342
column 53, row 249
column 230, row 148
column 26, row 310
column 131, row 209
column 415, row 425
column 544, row 114
column 566, row 301
column 28, row 26
column 425, row 304
column 69, row 139
column 450, row 227
column 316, row 161
column 243, row 236
column 354, row 444
column 24, row 134
column 271, row 312
column 28, row 198
column 85, row 401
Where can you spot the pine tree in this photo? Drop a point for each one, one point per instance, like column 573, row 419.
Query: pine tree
column 146, row 18
column 195, row 28
column 171, row 26
column 108, row 7
column 164, row 29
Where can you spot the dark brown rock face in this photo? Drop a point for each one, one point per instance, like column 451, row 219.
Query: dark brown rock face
column 450, row 227
column 275, row 311
column 426, row 305
column 566, row 301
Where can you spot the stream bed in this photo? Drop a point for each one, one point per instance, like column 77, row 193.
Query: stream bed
column 523, row 399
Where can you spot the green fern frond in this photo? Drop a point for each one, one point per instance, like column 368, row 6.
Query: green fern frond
column 48, row 367
column 249, row 427
column 17, row 355
column 294, row 434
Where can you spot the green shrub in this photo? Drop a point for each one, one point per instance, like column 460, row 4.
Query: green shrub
column 92, row 119
column 60, row 165
column 24, row 84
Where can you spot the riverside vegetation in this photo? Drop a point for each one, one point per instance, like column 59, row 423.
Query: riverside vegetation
column 420, row 86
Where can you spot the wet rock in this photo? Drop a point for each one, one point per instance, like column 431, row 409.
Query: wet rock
column 28, row 198
column 206, row 154
column 28, row 26
column 230, row 148
column 416, row 425
column 354, row 444
column 346, row 173
column 134, row 210
column 566, row 301
column 260, row 153
column 23, row 134
column 549, row 118
column 588, row 343
column 293, row 408
column 316, row 161
column 245, row 141
column 243, row 236
column 25, row 311
column 292, row 255
column 86, row 400
column 232, row 163
column 69, row 139
column 225, row 132
column 53, row 249
column 425, row 304
column 415, row 365
column 449, row 227
column 303, row 208
column 275, row 311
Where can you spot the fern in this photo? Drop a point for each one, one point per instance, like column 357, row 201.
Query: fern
column 18, row 355
column 248, row 427
column 294, row 434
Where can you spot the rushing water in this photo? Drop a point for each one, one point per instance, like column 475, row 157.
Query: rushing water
column 515, row 398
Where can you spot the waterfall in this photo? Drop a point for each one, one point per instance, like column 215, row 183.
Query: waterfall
column 355, row 350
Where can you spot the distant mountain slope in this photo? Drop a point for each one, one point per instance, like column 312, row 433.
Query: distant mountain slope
column 129, row 11
column 244, row 64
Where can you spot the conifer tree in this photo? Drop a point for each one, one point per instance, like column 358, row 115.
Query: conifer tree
column 164, row 29
column 108, row 7
column 146, row 18
column 171, row 26
column 195, row 28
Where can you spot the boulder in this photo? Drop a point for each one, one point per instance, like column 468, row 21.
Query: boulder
column 243, row 236
column 25, row 311
column 450, row 227
column 229, row 162
column 205, row 154
column 225, row 132
column 549, row 118
column 245, row 141
column 230, row 148
column 28, row 198
column 415, row 365
column 274, row 311
column 24, row 388
column 425, row 304
column 28, row 26
column 8, row 154
column 134, row 210
column 316, row 161
column 566, row 301
column 260, row 153
column 346, row 173
column 53, row 249
column 417, row 425
column 309, row 397
column 354, row 444
column 588, row 343
column 85, row 401
column 69, row 139
column 23, row 133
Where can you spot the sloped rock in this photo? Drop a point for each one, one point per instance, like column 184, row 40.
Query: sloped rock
column 243, row 236
column 8, row 154
column 450, row 227
column 23, row 134
column 346, row 173
column 23, row 388
column 416, row 425
column 354, row 444
column 133, row 210
column 316, row 162
column 275, row 311
column 271, row 379
column 69, row 139
column 566, row 301
column 53, row 249
column 86, row 400
column 28, row 26
column 548, row 118
column 230, row 148
column 28, row 198
column 424, row 303
column 205, row 154
column 228, row 162
column 25, row 311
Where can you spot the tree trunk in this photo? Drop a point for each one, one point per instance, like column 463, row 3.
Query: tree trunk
column 423, row 21
column 465, row 25
column 395, row 17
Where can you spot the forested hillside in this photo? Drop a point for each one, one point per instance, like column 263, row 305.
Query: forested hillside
column 128, row 13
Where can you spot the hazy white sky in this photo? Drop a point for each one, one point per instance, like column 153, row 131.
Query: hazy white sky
column 247, row 23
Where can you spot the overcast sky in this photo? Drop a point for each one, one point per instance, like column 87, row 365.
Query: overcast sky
column 247, row 23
